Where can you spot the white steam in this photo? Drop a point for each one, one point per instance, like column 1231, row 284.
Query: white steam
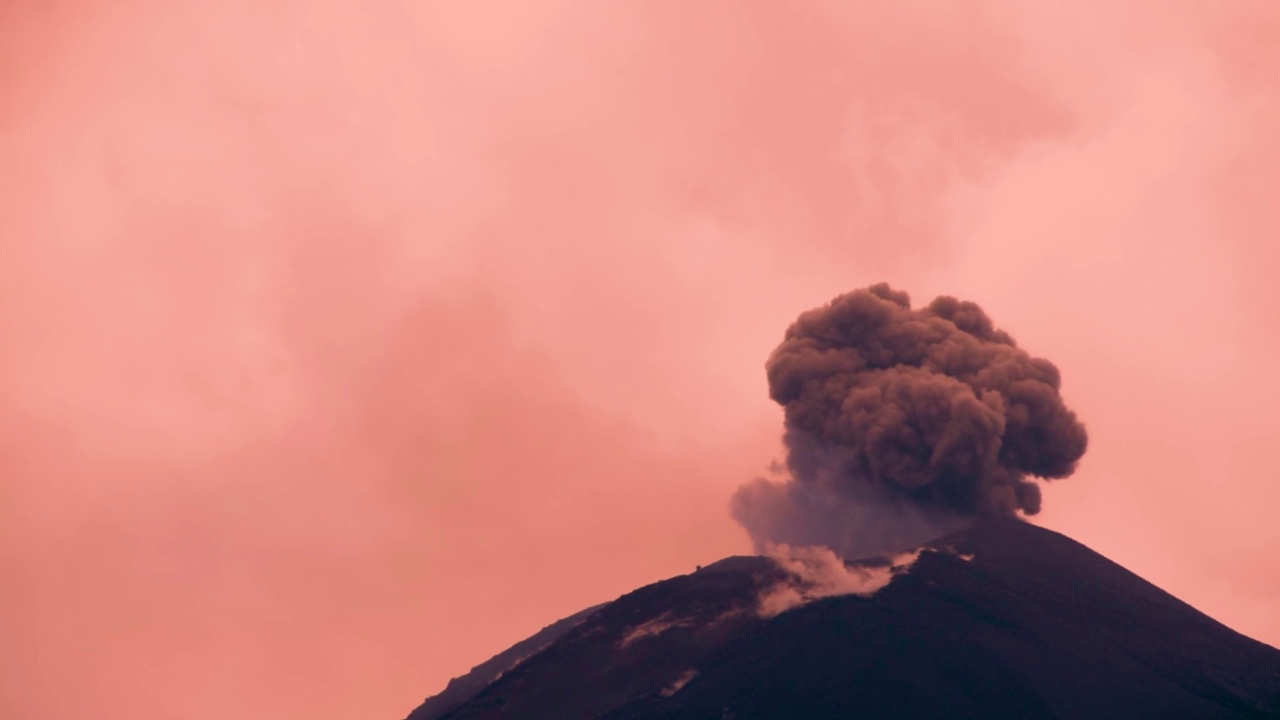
column 816, row 572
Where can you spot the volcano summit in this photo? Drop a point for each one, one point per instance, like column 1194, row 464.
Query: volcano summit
column 1003, row 620
column 914, row 437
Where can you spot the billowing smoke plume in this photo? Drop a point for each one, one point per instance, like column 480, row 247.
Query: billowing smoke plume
column 903, row 424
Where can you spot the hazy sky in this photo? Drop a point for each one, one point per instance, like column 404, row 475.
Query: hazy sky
column 345, row 343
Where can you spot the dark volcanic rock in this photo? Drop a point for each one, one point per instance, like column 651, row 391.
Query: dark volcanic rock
column 461, row 689
column 1006, row 620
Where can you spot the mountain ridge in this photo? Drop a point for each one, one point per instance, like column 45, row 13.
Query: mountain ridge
column 1004, row 619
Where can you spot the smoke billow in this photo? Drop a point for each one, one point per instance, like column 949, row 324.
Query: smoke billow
column 902, row 424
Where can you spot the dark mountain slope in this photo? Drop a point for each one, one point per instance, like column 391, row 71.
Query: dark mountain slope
column 461, row 689
column 1006, row 620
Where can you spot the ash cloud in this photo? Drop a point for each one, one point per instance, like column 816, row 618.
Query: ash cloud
column 902, row 424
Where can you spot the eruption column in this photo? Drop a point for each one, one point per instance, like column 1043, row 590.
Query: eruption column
column 903, row 424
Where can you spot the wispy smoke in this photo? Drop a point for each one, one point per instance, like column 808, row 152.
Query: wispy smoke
column 816, row 572
column 903, row 424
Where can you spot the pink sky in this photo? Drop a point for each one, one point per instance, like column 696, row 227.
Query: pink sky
column 346, row 343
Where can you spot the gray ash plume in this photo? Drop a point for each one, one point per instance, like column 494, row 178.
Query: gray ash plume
column 903, row 424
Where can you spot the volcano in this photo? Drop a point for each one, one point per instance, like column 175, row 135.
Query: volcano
column 1003, row 620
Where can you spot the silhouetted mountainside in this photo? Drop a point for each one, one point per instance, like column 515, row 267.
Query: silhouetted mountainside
column 461, row 689
column 1005, row 620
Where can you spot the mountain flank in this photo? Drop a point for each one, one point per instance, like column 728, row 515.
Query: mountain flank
column 1003, row 620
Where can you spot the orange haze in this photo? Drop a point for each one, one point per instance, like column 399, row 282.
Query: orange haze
column 345, row 343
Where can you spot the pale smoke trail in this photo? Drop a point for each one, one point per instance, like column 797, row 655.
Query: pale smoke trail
column 816, row 572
